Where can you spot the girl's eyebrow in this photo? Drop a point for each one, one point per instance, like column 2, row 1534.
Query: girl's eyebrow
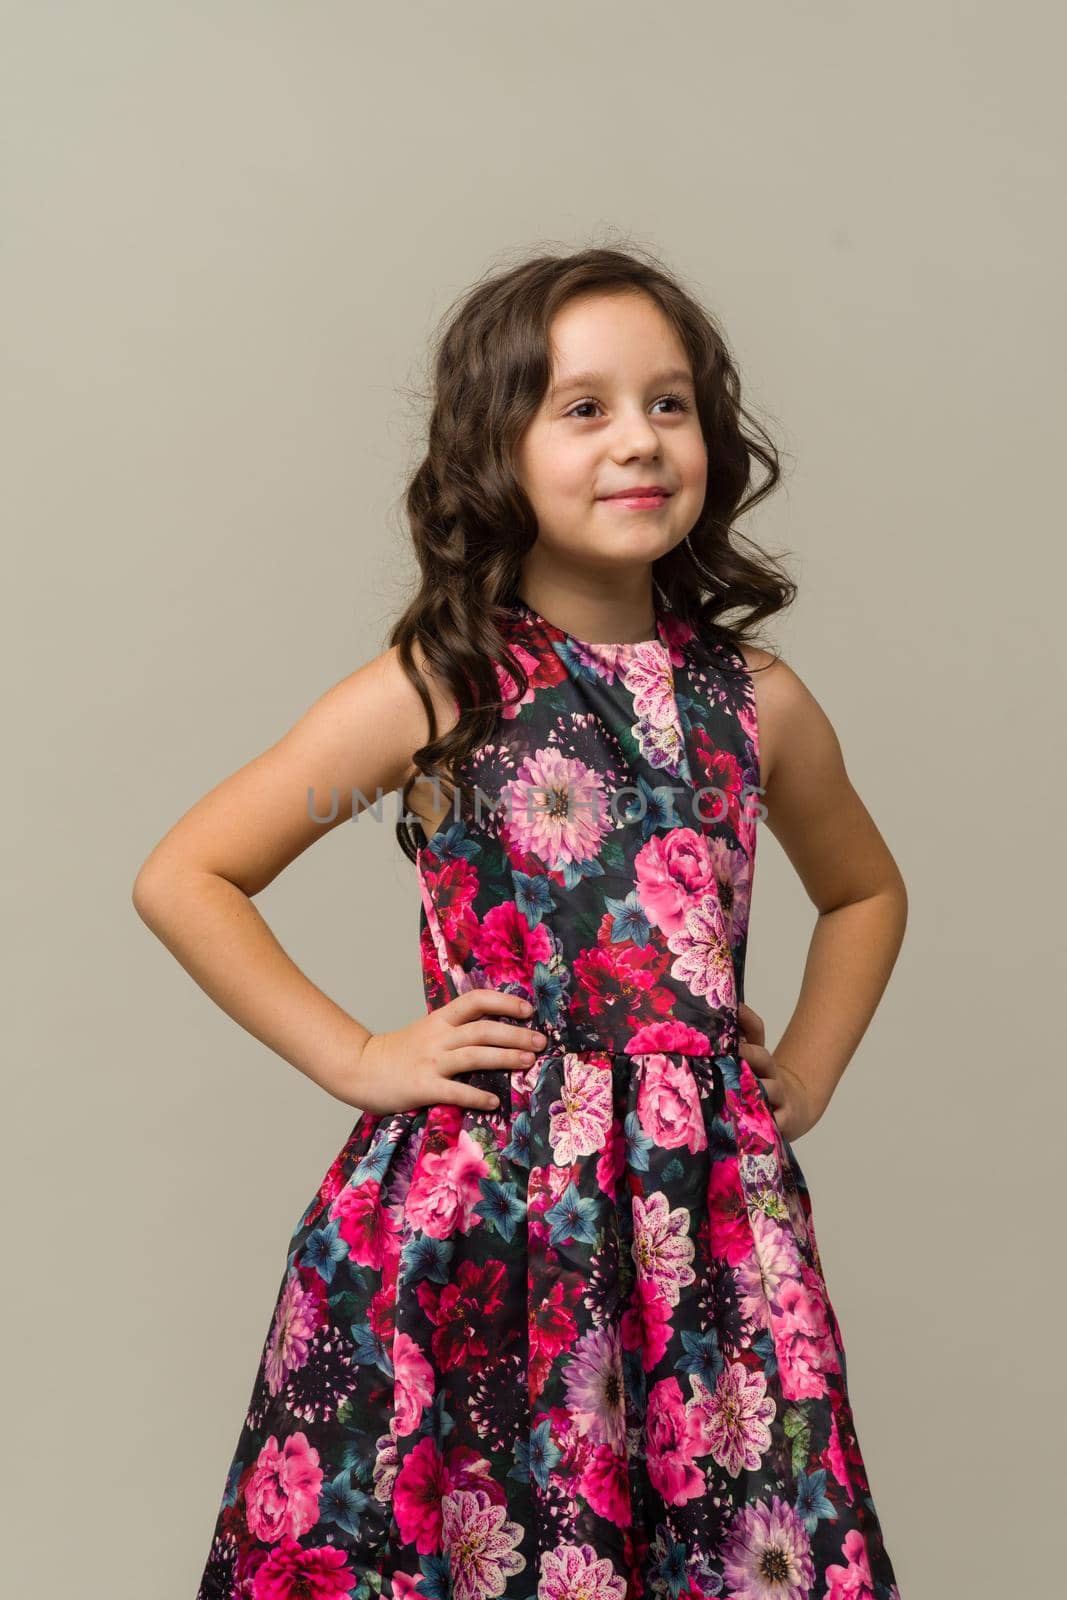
column 591, row 380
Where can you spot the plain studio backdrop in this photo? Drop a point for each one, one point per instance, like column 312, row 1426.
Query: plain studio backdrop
column 229, row 230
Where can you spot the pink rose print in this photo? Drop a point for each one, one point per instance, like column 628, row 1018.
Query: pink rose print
column 282, row 1495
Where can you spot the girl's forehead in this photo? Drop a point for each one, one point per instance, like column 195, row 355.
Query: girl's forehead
column 609, row 333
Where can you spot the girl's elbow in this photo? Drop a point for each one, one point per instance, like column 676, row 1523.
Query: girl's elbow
column 145, row 892
column 152, row 889
column 899, row 892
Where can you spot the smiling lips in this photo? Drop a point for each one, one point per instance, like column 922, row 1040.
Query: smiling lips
column 641, row 496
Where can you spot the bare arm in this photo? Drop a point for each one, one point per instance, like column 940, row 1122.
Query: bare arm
column 848, row 872
column 195, row 889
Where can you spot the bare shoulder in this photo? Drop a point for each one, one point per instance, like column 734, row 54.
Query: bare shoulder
column 352, row 746
column 387, row 683
column 796, row 737
column 783, row 703
column 373, row 718
column 382, row 695
column 811, row 805
column 424, row 800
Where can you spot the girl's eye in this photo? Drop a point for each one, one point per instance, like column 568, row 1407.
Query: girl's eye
column 676, row 399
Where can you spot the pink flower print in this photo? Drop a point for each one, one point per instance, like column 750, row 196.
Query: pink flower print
column 668, row 1036
column 363, row 1224
column 646, row 1323
column 612, row 1162
column 296, row 1321
column 669, row 1105
column 751, row 1291
column 508, row 948
column 663, row 1246
column 757, row 1131
column 676, row 633
column 718, row 782
column 676, row 1434
column 730, row 1230
column 420, row 1487
column 509, row 688
column 575, row 1448
column 797, row 1217
column 605, row 1484
column 282, row 1496
column 406, row 1586
column 608, row 661
column 842, row 1453
column 737, row 1413
column 553, row 1329
column 580, row 1120
column 673, row 872
column 852, row 1582
column 618, row 981
column 447, row 892
column 802, row 1339
column 446, row 1188
column 732, row 886
column 576, row 1572
column 836, row 1458
column 649, row 679
column 413, row 1389
column 775, row 1249
column 543, row 669
column 482, row 1546
column 291, row 1571
column 596, row 1395
column 767, row 1553
column 705, row 962
column 381, row 1313
column 556, row 809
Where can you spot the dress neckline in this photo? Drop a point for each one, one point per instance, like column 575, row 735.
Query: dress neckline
column 660, row 642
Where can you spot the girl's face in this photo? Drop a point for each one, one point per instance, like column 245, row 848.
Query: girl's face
column 620, row 413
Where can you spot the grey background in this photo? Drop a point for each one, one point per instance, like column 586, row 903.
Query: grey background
column 228, row 230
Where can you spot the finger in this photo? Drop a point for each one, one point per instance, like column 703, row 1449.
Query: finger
column 485, row 1058
column 773, row 1089
column 465, row 1094
column 474, row 1003
column 758, row 1057
column 503, row 1033
column 769, row 1080
column 751, row 1022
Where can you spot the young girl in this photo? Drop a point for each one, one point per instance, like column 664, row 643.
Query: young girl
column 554, row 1323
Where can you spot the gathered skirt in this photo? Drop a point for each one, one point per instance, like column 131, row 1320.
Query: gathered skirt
column 579, row 1347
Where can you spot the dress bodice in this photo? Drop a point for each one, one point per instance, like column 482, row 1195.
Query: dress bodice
column 599, row 855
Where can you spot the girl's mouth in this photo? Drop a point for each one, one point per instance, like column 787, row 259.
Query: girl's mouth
column 638, row 502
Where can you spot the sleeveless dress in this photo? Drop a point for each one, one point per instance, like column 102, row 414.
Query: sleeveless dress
column 578, row 1347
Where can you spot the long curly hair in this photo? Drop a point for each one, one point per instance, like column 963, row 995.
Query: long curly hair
column 472, row 523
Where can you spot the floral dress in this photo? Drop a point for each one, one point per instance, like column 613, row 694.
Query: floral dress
column 578, row 1347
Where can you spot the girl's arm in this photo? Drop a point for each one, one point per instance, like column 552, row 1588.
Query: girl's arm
column 849, row 874
column 195, row 889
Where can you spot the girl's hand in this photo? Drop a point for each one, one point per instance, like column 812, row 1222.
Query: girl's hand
column 415, row 1066
column 791, row 1102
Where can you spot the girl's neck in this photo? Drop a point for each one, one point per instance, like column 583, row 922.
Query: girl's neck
column 594, row 614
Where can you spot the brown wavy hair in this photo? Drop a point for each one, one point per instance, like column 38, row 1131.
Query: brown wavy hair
column 472, row 523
